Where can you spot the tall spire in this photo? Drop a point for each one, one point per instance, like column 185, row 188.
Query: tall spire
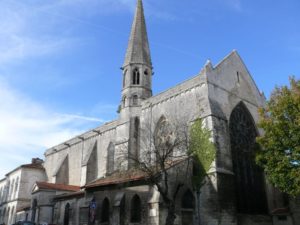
column 138, row 51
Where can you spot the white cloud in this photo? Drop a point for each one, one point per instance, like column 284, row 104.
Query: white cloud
column 27, row 128
column 27, row 31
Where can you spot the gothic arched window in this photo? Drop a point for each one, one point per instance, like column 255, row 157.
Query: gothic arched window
column 67, row 214
column 136, row 76
column 105, row 211
column 110, row 158
column 187, row 208
column 136, row 208
column 249, row 180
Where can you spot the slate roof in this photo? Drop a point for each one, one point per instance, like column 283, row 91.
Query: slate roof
column 138, row 50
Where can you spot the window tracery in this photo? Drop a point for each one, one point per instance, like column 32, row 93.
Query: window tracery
column 249, row 180
column 136, row 76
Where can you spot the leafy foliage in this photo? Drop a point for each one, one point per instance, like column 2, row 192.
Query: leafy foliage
column 280, row 154
column 202, row 150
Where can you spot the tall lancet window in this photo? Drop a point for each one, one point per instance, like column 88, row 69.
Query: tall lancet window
column 136, row 208
column 249, row 180
column 136, row 76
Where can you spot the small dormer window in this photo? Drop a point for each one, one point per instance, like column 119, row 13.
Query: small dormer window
column 136, row 76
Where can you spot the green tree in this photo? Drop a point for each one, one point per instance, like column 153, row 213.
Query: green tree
column 202, row 150
column 167, row 164
column 280, row 143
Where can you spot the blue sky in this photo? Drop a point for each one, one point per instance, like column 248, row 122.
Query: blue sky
column 60, row 59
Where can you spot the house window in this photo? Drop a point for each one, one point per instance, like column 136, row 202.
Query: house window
column 136, row 206
column 16, row 187
column 136, row 77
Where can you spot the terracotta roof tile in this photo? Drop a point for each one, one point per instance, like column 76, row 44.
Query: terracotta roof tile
column 33, row 166
column 128, row 176
column 59, row 187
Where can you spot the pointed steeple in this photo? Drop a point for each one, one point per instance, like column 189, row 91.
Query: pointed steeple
column 137, row 67
column 138, row 51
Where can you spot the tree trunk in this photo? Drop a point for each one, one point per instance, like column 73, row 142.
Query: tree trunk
column 171, row 214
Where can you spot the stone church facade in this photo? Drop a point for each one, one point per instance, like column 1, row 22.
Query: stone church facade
column 83, row 187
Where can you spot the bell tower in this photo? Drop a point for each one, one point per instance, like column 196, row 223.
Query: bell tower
column 137, row 67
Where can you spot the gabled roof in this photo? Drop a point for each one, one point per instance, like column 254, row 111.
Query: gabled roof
column 138, row 50
column 38, row 166
column 56, row 187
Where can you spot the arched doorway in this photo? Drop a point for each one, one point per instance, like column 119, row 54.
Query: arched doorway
column 249, row 180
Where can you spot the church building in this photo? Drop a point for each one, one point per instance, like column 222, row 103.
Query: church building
column 90, row 179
